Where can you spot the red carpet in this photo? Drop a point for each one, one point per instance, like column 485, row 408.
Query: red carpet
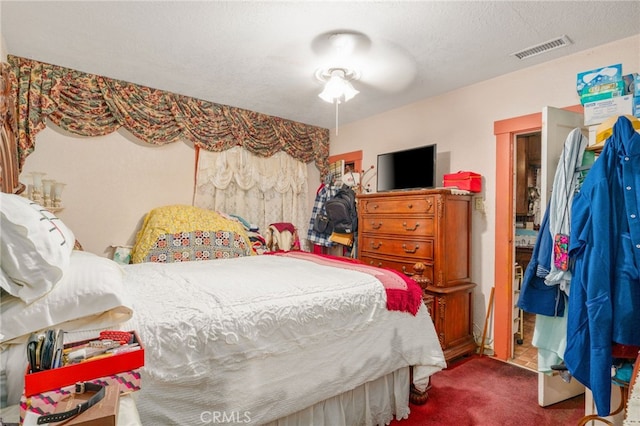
column 482, row 391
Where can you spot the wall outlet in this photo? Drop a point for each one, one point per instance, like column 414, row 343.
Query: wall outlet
column 478, row 204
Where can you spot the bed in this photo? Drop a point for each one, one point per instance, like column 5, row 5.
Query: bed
column 286, row 338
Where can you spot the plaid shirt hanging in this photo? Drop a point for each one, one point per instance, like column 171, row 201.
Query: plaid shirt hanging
column 325, row 192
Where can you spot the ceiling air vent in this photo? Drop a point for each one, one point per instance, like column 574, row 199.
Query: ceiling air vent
column 542, row 47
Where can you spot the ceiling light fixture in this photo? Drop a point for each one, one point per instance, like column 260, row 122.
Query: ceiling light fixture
column 337, row 87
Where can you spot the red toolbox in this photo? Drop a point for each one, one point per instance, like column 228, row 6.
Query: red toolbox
column 468, row 181
column 85, row 371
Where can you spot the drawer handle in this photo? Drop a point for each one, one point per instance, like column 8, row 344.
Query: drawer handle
column 374, row 206
column 406, row 250
column 376, row 226
column 373, row 264
column 375, row 247
column 404, row 225
column 407, row 272
column 410, row 205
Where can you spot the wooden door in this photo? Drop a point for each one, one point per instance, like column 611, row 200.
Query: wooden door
column 556, row 126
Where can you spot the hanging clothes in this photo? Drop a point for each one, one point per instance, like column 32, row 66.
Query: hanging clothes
column 324, row 193
column 565, row 183
column 535, row 296
column 547, row 302
column 543, row 283
column 550, row 337
column 550, row 332
column 604, row 301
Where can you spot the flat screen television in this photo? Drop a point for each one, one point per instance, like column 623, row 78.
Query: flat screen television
column 413, row 168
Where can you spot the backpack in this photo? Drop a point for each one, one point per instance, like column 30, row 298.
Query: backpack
column 342, row 212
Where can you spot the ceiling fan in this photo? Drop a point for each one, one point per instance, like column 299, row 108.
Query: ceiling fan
column 347, row 57
column 354, row 57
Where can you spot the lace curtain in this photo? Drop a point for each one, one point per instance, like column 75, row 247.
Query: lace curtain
column 92, row 105
column 260, row 190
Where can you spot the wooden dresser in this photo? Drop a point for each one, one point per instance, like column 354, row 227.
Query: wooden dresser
column 398, row 229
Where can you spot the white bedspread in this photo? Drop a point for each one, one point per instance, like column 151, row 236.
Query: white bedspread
column 262, row 337
column 255, row 339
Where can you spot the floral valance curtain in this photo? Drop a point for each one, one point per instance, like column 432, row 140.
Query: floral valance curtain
column 92, row 105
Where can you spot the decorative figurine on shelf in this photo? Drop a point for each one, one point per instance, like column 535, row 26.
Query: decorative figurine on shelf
column 534, row 204
column 534, row 195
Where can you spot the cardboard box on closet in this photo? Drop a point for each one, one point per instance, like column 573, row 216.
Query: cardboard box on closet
column 599, row 111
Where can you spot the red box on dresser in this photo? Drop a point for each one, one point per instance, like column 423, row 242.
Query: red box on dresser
column 468, row 181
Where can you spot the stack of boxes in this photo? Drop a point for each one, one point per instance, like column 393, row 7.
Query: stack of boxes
column 605, row 92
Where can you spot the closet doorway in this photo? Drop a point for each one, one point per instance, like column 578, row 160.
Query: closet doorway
column 506, row 133
column 527, row 224
column 554, row 125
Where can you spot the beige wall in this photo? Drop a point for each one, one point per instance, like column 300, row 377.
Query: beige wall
column 113, row 180
column 3, row 47
column 461, row 123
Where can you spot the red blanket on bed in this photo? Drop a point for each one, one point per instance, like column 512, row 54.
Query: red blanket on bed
column 403, row 293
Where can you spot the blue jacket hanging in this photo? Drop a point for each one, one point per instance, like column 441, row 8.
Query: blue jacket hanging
column 535, row 296
column 604, row 299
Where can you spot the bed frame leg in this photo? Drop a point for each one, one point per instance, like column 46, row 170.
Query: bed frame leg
column 415, row 396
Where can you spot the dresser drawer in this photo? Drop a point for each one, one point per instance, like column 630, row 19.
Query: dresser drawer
column 399, row 265
column 397, row 225
column 411, row 249
column 417, row 205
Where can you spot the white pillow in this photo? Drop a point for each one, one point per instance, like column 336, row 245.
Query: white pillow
column 35, row 247
column 7, row 283
column 90, row 295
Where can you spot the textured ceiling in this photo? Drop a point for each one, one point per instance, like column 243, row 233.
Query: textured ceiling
column 263, row 55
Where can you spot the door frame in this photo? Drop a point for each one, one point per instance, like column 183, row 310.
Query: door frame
column 505, row 132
